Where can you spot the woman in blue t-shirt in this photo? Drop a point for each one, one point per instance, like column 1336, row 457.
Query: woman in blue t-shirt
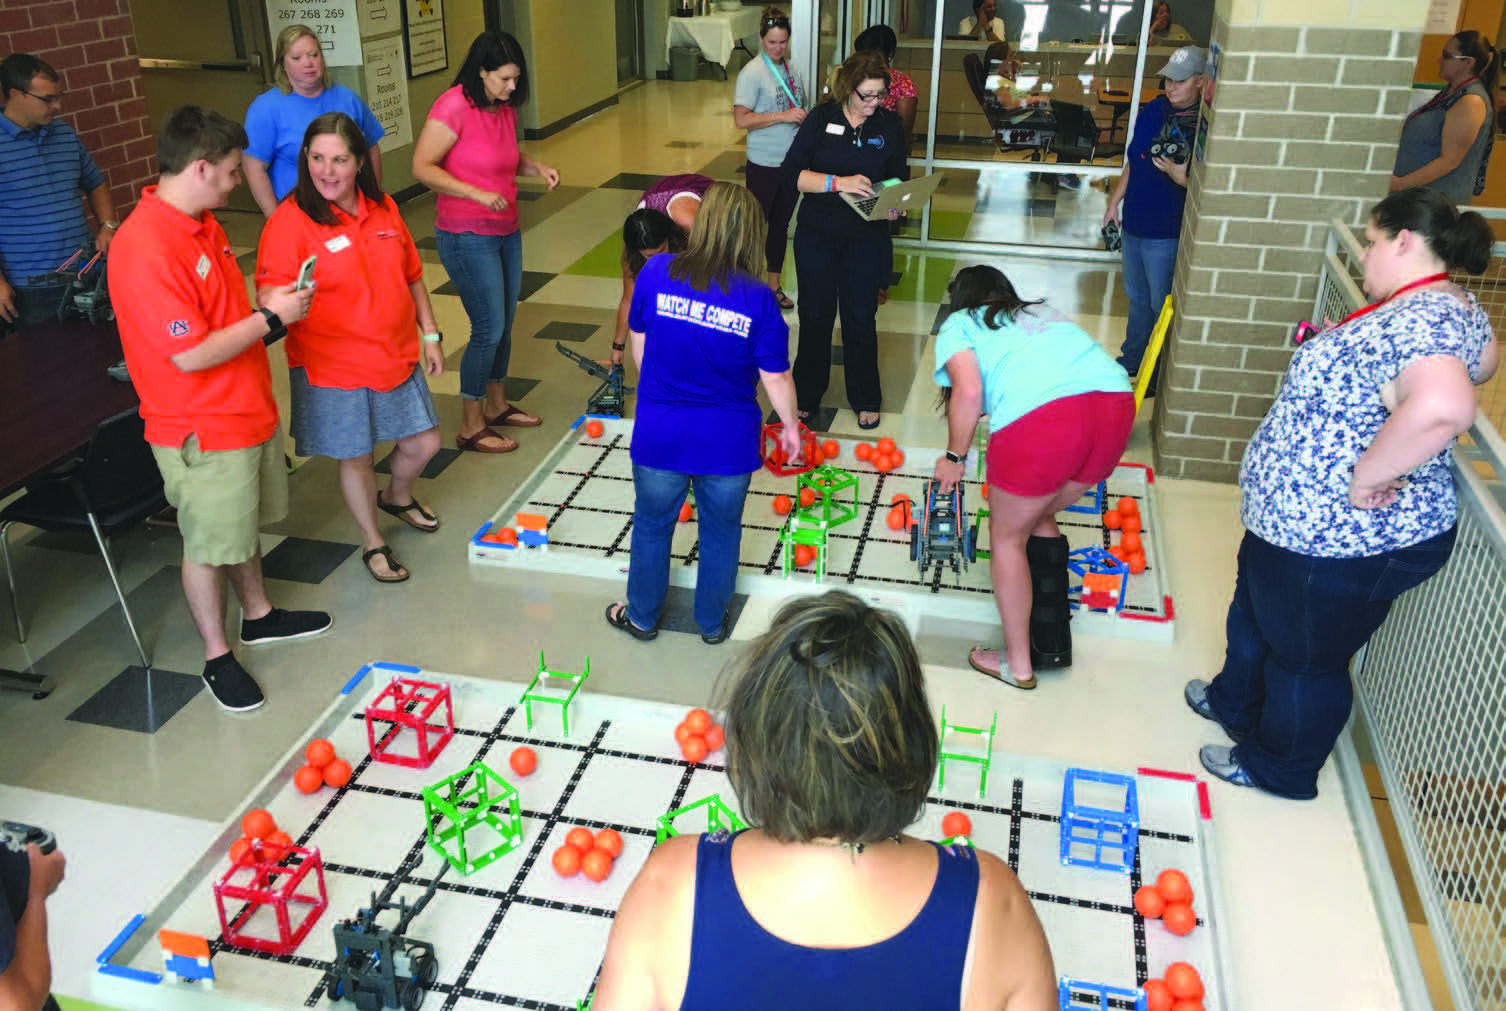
column 1348, row 498
column 706, row 331
column 1059, row 412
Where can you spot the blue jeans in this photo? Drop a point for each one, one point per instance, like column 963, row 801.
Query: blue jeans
column 1294, row 624
column 487, row 271
column 1148, row 268
column 658, row 495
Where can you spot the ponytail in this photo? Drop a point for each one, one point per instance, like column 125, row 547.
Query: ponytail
column 1461, row 240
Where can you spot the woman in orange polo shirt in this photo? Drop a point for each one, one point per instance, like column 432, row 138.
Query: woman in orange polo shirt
column 357, row 363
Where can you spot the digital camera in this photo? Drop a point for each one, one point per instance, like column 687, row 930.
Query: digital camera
column 1113, row 239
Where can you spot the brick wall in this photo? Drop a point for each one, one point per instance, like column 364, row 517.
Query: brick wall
column 1304, row 129
column 92, row 46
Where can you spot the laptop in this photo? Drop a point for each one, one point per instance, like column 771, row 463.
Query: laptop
column 906, row 196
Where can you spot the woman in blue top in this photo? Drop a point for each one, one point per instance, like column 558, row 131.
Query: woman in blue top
column 277, row 119
column 1059, row 412
column 831, row 748
column 706, row 332
column 1348, row 498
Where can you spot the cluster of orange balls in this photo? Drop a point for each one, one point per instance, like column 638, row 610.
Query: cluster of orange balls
column 1168, row 900
column 261, row 841
column 1125, row 518
column 323, row 768
column 1180, row 989
column 883, row 455
column 698, row 735
column 584, row 853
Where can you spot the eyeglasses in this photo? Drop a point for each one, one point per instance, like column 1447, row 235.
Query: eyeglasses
column 877, row 96
column 48, row 99
column 1455, row 56
column 777, row 22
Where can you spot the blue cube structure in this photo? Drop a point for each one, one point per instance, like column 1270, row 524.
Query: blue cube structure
column 1099, row 837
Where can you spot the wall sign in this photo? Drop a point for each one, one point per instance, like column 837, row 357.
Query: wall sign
column 333, row 22
column 387, row 90
column 424, row 20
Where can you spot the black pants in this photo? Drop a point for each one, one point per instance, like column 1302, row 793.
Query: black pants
column 840, row 271
column 778, row 202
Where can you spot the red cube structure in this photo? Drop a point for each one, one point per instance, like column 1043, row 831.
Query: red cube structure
column 410, row 723
column 770, row 443
column 284, row 889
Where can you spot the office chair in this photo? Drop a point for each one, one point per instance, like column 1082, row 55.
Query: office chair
column 114, row 487
column 1077, row 133
column 1022, row 130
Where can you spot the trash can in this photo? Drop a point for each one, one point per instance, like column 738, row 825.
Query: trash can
column 684, row 62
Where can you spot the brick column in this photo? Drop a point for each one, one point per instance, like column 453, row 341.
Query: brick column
column 1304, row 128
column 92, row 46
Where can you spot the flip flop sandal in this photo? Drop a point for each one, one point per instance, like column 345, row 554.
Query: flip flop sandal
column 869, row 425
column 516, row 418
column 1000, row 674
column 398, row 572
column 402, row 511
column 785, row 302
column 621, row 622
column 474, row 443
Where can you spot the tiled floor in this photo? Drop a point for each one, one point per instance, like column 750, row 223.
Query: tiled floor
column 131, row 804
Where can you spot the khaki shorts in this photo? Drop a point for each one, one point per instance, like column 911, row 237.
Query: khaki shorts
column 224, row 497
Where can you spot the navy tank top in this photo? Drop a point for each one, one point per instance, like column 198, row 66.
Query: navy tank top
column 736, row 964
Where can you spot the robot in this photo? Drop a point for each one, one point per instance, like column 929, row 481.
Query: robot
column 611, row 396
column 377, row 967
column 943, row 537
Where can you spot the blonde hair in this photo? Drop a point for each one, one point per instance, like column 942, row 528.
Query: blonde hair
column 727, row 238
column 285, row 40
column 857, row 68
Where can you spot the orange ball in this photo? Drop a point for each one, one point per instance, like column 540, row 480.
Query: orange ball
column 1118, row 552
column 276, row 846
column 594, row 428
column 862, row 451
column 882, row 462
column 807, row 497
column 337, row 773
column 596, row 865
column 814, row 456
column 897, row 518
column 694, row 748
column 1158, row 995
column 1179, row 918
column 682, row 732
column 566, row 861
column 308, row 779
column 686, row 512
column 319, row 753
column 1184, row 982
column 1132, row 525
column 1128, row 506
column 1113, row 519
column 523, row 761
column 783, row 504
column 507, row 535
column 896, row 459
column 698, row 720
column 886, row 445
column 581, row 838
column 1174, row 886
column 804, row 555
column 1136, row 562
column 258, row 824
column 1187, row 1005
column 778, row 455
column 714, row 738
column 829, row 449
column 609, row 842
column 1149, row 903
column 956, row 823
column 1132, row 543
column 241, row 852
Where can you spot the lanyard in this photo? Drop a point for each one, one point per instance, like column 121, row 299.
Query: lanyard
column 1447, row 95
column 780, row 79
column 1399, row 291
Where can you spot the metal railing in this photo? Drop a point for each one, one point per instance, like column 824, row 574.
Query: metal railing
column 1430, row 689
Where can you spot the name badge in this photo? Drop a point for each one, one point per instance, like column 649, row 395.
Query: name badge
column 338, row 243
column 836, row 128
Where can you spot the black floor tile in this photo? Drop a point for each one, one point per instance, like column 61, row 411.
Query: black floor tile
column 533, row 280
column 679, row 611
column 432, row 469
column 575, row 333
column 629, row 181
column 895, row 277
column 73, row 541
column 517, row 388
column 427, row 242
column 531, row 195
column 138, row 699
column 302, row 560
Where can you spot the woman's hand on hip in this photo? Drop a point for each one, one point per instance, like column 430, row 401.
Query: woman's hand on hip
column 1375, row 496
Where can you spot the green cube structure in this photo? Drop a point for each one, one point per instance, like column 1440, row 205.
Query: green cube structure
column 540, row 690
column 470, row 799
column 718, row 816
column 984, row 734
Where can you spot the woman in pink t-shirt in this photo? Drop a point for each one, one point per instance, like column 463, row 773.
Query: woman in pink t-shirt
column 468, row 154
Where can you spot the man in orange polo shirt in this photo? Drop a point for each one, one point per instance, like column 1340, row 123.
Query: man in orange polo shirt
column 197, row 356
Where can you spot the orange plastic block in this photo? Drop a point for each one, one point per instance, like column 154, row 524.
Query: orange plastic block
column 531, row 521
column 178, row 943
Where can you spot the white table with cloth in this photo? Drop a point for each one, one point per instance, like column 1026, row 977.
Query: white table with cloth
column 716, row 34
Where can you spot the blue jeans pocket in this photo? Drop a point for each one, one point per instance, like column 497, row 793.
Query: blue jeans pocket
column 1409, row 567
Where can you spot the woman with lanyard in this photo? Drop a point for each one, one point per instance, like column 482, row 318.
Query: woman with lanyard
column 850, row 145
column 1445, row 144
column 1348, row 498
column 770, row 105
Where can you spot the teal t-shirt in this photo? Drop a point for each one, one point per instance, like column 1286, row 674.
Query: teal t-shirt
column 1037, row 357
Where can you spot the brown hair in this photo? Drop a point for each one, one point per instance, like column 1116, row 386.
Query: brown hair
column 285, row 40
column 857, row 68
column 191, row 132
column 829, row 732
column 772, row 17
column 727, row 238
column 306, row 194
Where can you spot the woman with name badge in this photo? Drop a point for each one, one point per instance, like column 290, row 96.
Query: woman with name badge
column 356, row 362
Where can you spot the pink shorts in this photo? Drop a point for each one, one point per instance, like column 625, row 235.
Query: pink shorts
column 1079, row 438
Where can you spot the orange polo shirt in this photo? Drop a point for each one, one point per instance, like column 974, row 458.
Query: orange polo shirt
column 173, row 282
column 362, row 328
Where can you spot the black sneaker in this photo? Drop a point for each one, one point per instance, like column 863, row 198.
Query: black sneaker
column 234, row 689
column 278, row 625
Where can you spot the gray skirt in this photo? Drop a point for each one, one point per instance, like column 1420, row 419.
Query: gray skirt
column 344, row 424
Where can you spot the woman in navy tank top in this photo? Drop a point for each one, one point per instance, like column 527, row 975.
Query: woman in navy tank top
column 826, row 903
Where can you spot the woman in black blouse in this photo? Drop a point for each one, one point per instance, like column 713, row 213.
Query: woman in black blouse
column 849, row 144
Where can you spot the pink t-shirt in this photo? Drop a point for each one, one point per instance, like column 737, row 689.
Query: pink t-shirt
column 485, row 155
